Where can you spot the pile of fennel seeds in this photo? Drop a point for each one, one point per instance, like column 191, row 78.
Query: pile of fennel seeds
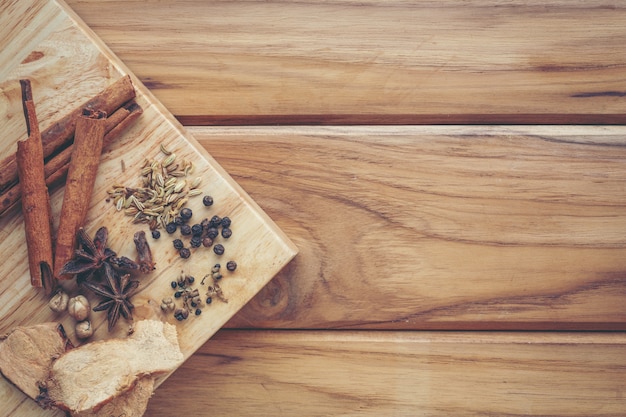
column 164, row 191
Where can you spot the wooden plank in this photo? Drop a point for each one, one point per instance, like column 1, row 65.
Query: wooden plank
column 67, row 65
column 380, row 62
column 438, row 227
column 271, row 373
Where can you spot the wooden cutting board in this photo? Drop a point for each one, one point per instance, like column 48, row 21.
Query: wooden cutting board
column 45, row 41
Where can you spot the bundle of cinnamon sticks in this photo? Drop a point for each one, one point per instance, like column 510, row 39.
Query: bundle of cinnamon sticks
column 70, row 147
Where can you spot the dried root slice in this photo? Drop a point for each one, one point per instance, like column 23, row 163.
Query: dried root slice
column 26, row 355
column 87, row 378
column 132, row 403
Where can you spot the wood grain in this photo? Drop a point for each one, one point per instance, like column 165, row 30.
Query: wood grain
column 373, row 62
column 438, row 227
column 400, row 229
column 265, row 373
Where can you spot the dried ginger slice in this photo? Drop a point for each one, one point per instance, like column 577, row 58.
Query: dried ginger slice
column 26, row 354
column 90, row 376
column 132, row 403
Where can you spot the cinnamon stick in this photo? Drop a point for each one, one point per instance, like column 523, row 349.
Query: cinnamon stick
column 81, row 177
column 35, row 199
column 60, row 133
column 56, row 168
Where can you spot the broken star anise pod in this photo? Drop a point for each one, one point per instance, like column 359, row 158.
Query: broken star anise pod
column 116, row 291
column 90, row 256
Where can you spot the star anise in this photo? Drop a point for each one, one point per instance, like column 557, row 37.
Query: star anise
column 90, row 257
column 116, row 291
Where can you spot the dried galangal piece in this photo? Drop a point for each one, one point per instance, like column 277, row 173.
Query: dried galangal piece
column 86, row 379
column 26, row 354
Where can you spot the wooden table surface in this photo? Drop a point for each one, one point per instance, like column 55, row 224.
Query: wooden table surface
column 454, row 176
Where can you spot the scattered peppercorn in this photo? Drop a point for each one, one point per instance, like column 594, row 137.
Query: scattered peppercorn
column 226, row 221
column 207, row 200
column 170, row 227
column 216, row 221
column 178, row 244
column 207, row 242
column 190, row 279
column 195, row 242
column 156, row 234
column 177, row 294
column 184, row 253
column 185, row 229
column 174, row 284
column 231, row 265
column 186, row 213
column 218, row 249
column 209, row 300
column 226, row 233
column 212, row 232
column 198, row 311
column 196, row 229
column 179, row 220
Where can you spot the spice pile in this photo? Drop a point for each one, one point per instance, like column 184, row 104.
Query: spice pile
column 163, row 193
column 161, row 202
column 188, row 296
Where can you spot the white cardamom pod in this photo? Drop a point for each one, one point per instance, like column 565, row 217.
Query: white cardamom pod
column 78, row 307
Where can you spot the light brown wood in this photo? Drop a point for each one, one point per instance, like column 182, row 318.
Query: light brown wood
column 438, row 227
column 484, row 61
column 67, row 64
column 264, row 373
column 400, row 228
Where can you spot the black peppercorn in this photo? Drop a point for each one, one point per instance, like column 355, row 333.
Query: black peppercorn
column 195, row 242
column 184, row 253
column 177, row 294
column 190, row 279
column 179, row 220
column 212, row 232
column 170, row 227
column 226, row 233
column 207, row 200
column 173, row 284
column 193, row 304
column 196, row 229
column 179, row 317
column 218, row 249
column 226, row 221
column 186, row 213
column 178, row 244
column 216, row 221
column 156, row 234
column 198, row 312
column 209, row 300
column 207, row 242
column 185, row 229
column 231, row 265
